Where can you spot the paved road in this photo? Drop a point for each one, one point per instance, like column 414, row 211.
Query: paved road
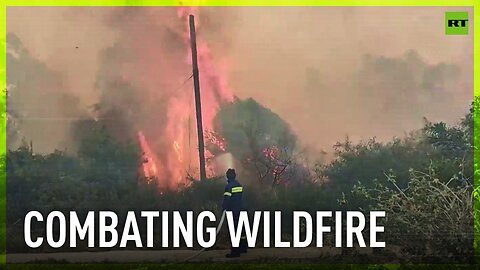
column 158, row 256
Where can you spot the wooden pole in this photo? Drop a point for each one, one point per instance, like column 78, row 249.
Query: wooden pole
column 198, row 105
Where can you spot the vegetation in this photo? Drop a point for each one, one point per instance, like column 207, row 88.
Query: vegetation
column 424, row 181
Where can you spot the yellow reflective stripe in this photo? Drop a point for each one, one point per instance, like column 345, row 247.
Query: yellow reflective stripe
column 237, row 189
column 227, row 194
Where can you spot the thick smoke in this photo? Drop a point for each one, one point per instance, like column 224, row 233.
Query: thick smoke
column 149, row 92
column 139, row 80
column 327, row 71
column 401, row 92
column 39, row 109
column 307, row 64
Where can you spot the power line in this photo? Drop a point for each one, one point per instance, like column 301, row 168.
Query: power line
column 184, row 82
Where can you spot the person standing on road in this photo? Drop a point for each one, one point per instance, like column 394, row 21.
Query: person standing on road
column 232, row 201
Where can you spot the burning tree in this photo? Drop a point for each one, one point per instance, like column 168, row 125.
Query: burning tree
column 269, row 159
column 261, row 140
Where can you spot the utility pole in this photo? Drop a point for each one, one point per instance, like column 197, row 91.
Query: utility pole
column 198, row 106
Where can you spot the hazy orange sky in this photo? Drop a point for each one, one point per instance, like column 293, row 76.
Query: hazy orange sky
column 304, row 63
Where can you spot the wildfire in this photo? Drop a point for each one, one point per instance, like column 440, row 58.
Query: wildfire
column 149, row 165
column 270, row 153
column 177, row 142
column 215, row 140
column 178, row 150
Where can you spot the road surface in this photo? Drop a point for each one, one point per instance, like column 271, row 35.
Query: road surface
column 168, row 256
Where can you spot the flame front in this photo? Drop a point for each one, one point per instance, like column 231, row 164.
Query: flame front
column 149, row 160
column 172, row 168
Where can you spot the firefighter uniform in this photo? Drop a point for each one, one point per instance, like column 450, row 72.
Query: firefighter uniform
column 232, row 201
column 232, row 197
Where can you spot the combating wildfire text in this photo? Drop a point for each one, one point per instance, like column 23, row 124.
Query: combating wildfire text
column 167, row 229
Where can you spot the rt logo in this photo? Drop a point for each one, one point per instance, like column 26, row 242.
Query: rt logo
column 456, row 23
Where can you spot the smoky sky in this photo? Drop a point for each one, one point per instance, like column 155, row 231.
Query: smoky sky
column 329, row 72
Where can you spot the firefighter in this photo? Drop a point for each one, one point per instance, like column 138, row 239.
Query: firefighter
column 232, row 201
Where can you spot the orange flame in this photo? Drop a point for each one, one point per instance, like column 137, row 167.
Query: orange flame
column 176, row 144
column 178, row 150
column 149, row 165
